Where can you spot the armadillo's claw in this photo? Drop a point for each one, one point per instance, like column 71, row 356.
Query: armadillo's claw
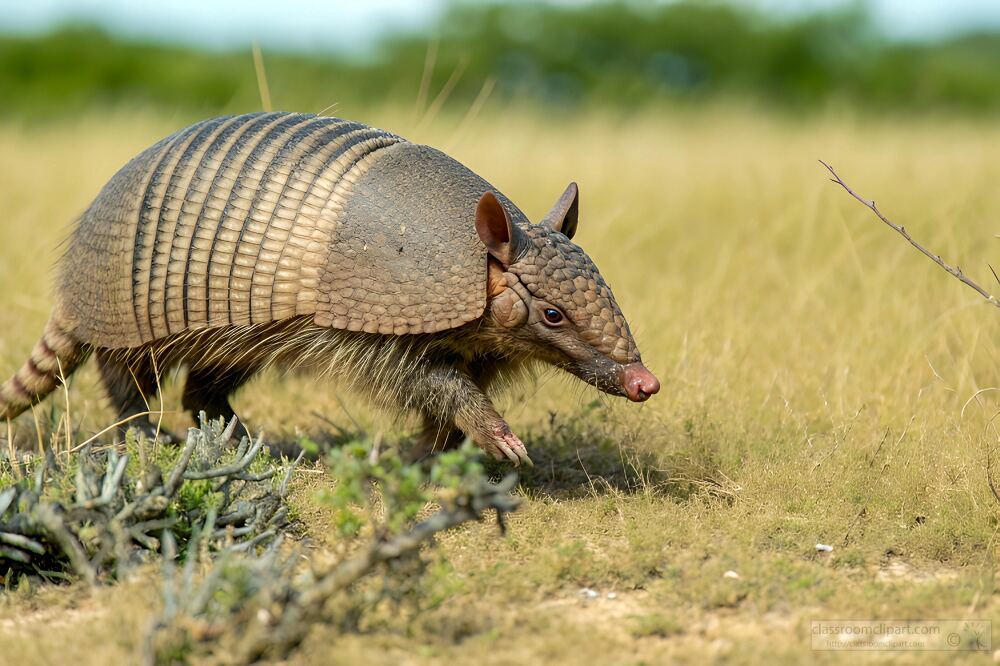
column 509, row 446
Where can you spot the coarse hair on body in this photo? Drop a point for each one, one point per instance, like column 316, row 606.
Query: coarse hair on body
column 381, row 368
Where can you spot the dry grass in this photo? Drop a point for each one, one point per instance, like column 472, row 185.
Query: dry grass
column 817, row 382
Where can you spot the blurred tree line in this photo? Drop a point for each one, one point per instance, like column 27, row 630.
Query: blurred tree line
column 622, row 54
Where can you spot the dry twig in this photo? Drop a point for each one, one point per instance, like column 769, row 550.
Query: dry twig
column 275, row 618
column 99, row 518
column 956, row 272
column 936, row 258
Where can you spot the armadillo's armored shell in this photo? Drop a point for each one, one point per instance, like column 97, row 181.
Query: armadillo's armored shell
column 255, row 218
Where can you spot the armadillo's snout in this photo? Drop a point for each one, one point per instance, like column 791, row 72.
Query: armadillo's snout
column 638, row 382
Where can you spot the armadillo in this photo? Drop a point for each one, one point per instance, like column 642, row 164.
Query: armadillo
column 301, row 241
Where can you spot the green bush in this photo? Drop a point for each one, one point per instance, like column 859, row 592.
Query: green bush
column 620, row 54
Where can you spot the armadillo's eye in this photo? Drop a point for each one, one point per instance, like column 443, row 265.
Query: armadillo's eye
column 553, row 316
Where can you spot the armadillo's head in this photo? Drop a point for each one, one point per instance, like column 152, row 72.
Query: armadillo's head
column 549, row 297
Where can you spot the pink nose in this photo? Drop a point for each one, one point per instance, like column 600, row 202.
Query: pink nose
column 639, row 383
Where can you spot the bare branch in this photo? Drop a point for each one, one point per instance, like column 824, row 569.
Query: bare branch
column 268, row 618
column 936, row 258
column 307, row 606
column 107, row 523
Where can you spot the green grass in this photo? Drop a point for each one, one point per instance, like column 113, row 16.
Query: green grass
column 821, row 385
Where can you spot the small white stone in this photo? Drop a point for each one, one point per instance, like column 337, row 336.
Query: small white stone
column 823, row 548
column 612, row 595
column 588, row 593
column 731, row 574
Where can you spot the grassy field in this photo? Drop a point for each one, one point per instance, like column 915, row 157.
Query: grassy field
column 823, row 383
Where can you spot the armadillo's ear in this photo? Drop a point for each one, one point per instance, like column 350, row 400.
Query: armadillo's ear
column 564, row 214
column 496, row 229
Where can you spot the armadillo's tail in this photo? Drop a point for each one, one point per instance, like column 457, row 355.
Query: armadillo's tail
column 52, row 360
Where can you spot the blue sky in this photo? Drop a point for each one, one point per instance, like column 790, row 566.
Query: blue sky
column 352, row 25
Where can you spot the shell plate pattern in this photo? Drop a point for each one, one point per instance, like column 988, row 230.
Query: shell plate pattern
column 240, row 220
column 558, row 271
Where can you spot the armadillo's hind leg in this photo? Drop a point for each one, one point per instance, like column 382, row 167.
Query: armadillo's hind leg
column 130, row 381
column 208, row 390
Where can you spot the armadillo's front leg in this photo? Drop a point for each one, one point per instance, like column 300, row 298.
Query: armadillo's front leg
column 435, row 437
column 453, row 397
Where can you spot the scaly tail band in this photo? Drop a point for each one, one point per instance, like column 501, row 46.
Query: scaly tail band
column 53, row 359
